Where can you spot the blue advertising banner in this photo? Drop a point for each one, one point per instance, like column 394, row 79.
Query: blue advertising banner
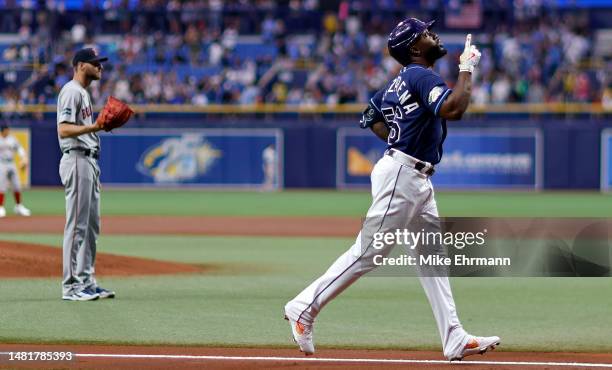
column 357, row 151
column 606, row 159
column 203, row 157
column 485, row 158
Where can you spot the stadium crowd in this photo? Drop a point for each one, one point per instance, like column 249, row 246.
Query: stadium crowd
column 318, row 55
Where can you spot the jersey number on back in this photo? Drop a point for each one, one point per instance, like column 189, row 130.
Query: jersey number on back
column 393, row 116
column 394, row 128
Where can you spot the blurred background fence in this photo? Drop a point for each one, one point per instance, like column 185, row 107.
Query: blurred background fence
column 516, row 149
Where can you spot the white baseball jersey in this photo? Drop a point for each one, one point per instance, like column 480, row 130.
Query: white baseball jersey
column 74, row 106
column 8, row 171
column 269, row 156
column 8, row 147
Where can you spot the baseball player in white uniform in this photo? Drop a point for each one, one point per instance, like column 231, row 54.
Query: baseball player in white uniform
column 410, row 113
column 8, row 170
column 270, row 164
column 80, row 175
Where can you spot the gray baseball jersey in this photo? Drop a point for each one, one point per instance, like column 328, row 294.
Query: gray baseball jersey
column 74, row 106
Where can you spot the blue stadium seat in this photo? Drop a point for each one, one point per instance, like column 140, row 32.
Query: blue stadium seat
column 254, row 50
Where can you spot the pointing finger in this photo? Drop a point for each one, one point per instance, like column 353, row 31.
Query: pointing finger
column 468, row 41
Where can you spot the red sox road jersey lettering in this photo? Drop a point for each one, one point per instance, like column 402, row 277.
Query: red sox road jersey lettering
column 74, row 106
column 86, row 112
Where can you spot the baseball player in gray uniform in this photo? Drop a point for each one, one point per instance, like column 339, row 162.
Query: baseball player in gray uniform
column 80, row 175
column 8, row 170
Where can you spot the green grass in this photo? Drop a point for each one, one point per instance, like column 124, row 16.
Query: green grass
column 240, row 303
column 243, row 306
column 323, row 203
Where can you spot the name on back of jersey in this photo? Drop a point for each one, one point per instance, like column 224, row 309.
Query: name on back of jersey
column 398, row 87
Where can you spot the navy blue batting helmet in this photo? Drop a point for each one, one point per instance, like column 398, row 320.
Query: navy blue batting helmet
column 404, row 35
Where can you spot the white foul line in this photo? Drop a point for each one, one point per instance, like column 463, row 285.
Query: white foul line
column 346, row 360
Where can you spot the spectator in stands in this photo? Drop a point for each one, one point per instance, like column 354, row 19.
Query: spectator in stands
column 501, row 89
column 334, row 55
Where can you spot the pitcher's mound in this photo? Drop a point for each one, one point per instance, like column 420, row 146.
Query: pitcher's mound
column 22, row 260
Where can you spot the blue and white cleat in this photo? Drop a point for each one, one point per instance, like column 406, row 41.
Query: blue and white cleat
column 83, row 295
column 105, row 293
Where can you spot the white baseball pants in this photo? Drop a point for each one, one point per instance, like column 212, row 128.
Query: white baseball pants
column 9, row 175
column 401, row 195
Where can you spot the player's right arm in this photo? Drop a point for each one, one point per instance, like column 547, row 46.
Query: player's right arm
column 381, row 130
column 70, row 129
column 68, row 107
column 457, row 102
column 373, row 118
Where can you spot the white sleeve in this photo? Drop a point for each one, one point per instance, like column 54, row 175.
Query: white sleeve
column 68, row 106
column 18, row 148
column 21, row 152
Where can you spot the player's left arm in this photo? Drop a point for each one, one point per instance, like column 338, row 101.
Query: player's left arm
column 457, row 103
column 438, row 98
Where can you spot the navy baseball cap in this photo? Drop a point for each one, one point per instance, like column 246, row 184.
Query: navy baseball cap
column 406, row 33
column 87, row 55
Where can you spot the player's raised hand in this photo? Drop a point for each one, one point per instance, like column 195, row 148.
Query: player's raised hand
column 470, row 57
column 468, row 42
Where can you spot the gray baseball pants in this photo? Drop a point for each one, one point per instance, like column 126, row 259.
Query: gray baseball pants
column 81, row 178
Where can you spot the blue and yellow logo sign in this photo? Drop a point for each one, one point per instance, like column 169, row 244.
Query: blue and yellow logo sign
column 178, row 159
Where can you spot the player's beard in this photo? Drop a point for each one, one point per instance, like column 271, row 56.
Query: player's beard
column 95, row 76
column 434, row 53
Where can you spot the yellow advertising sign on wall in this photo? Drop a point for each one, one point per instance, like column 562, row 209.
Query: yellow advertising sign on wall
column 23, row 137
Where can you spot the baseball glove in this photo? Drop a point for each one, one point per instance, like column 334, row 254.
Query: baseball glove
column 114, row 114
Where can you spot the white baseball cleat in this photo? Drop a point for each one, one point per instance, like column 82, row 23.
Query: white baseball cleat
column 477, row 345
column 21, row 210
column 2, row 211
column 302, row 335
